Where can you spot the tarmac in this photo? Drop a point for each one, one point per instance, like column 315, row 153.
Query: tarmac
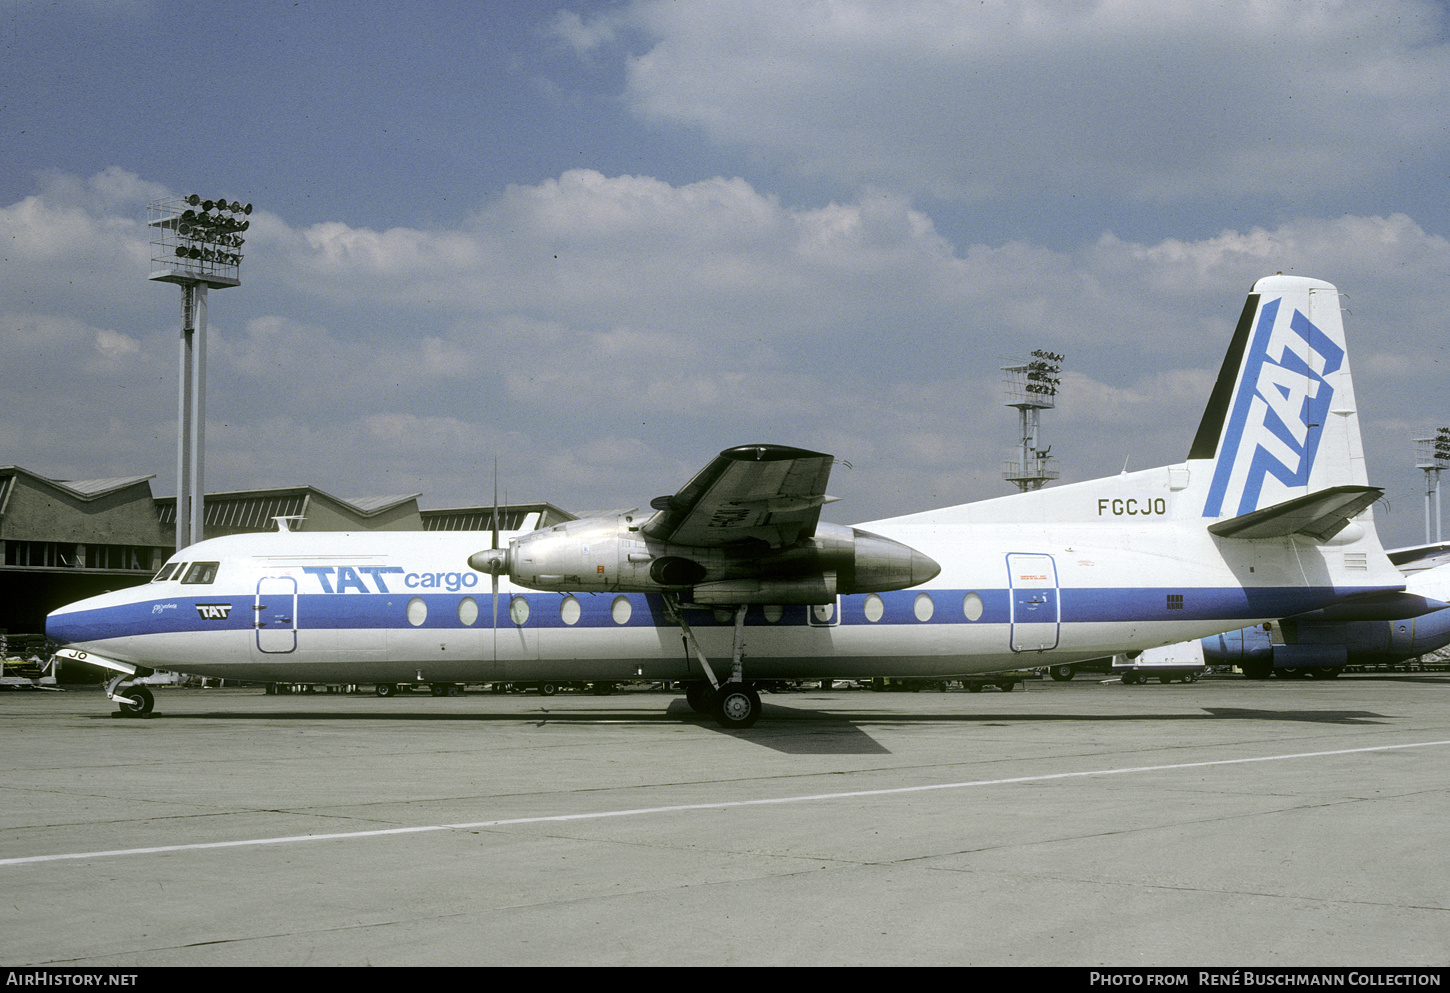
column 1227, row 823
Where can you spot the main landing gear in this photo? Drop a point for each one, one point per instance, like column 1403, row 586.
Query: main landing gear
column 734, row 704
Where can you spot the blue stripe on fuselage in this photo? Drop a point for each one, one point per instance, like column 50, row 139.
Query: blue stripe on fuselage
column 375, row 611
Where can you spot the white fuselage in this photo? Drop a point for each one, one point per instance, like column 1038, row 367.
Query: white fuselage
column 1077, row 572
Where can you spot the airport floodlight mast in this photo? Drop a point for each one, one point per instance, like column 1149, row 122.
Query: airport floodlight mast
column 1032, row 388
column 1434, row 457
column 197, row 245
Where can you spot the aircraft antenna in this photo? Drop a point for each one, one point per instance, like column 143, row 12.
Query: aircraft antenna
column 1032, row 387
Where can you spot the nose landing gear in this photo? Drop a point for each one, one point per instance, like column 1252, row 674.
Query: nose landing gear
column 139, row 704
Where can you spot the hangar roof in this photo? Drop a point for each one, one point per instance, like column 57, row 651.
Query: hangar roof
column 511, row 517
column 236, row 511
column 84, row 489
column 310, row 508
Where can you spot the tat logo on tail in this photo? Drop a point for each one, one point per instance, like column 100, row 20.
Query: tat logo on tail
column 1278, row 415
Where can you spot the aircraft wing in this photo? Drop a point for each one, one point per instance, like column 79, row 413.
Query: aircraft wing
column 769, row 493
column 1418, row 558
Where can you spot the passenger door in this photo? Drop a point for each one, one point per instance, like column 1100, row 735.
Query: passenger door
column 275, row 615
column 1036, row 611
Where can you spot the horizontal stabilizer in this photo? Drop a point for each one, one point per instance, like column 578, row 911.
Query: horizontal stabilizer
column 1319, row 515
column 1418, row 556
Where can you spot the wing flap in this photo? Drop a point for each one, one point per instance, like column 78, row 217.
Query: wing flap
column 769, row 493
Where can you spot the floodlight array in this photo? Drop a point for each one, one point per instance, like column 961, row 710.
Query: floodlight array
column 198, row 238
column 1032, row 387
column 1434, row 452
column 1043, row 372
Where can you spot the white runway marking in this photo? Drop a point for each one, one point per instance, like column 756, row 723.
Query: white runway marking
column 724, row 804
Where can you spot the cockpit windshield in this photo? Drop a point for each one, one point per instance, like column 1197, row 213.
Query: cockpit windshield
column 200, row 574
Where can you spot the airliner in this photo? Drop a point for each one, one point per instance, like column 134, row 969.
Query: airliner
column 1322, row 642
column 733, row 580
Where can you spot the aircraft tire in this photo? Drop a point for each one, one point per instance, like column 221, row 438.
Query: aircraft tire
column 737, row 706
column 1061, row 673
column 145, row 705
column 1007, row 686
column 974, row 687
column 1325, row 671
column 700, row 697
column 385, row 689
column 548, row 689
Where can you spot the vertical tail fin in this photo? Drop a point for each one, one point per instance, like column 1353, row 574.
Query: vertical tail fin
column 1281, row 421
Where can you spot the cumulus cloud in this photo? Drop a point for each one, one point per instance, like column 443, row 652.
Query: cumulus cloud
column 574, row 32
column 114, row 346
column 38, row 230
column 39, row 340
column 676, row 321
column 113, row 192
column 978, row 100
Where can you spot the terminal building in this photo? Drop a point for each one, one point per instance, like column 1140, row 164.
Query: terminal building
column 70, row 539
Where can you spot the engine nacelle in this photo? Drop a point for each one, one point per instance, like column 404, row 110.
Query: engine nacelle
column 609, row 554
column 812, row 590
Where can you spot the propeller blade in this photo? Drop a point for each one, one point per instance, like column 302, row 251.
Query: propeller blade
column 494, row 545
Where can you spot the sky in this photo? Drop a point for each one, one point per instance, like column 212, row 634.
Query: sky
column 601, row 242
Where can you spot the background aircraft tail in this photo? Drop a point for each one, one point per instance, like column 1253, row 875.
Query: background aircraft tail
column 1281, row 422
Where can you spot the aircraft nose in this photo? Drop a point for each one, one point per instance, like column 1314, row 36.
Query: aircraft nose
column 84, row 621
column 58, row 627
